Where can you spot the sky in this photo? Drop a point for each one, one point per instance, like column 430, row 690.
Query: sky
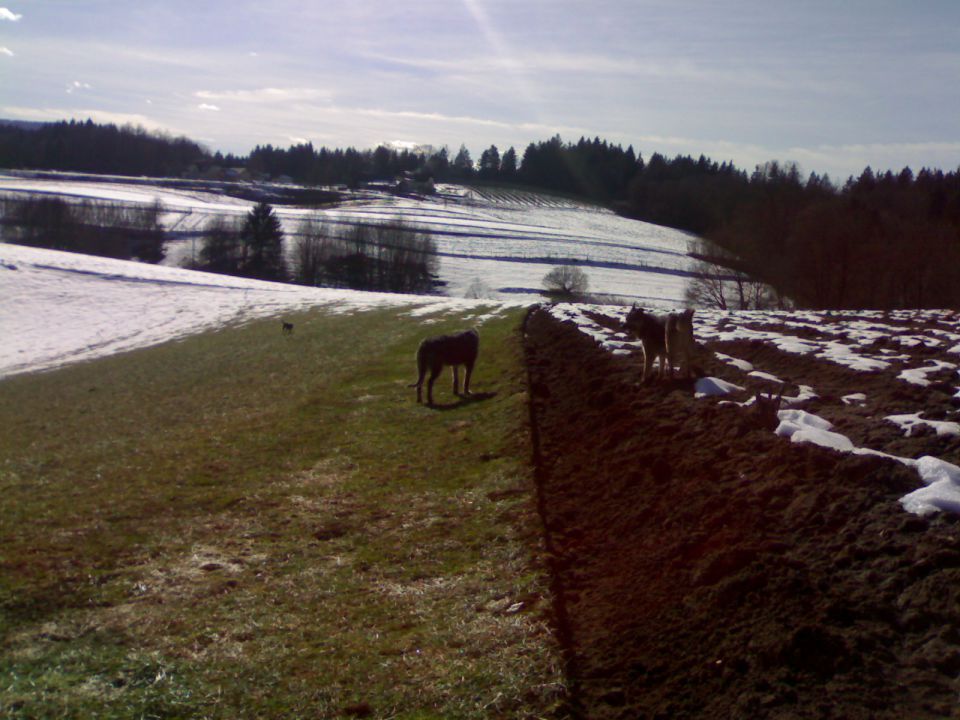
column 832, row 86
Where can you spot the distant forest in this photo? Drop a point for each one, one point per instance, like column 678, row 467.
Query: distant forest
column 881, row 240
column 103, row 149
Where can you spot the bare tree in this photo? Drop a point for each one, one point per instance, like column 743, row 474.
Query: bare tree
column 716, row 282
column 566, row 282
column 479, row 290
column 222, row 250
column 706, row 287
column 391, row 256
column 312, row 250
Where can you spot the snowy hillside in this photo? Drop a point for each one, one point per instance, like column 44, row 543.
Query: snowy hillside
column 502, row 241
column 65, row 307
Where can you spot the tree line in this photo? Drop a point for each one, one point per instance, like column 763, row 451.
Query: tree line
column 93, row 148
column 126, row 231
column 388, row 257
column 880, row 241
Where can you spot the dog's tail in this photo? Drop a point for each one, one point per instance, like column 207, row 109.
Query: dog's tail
column 421, row 368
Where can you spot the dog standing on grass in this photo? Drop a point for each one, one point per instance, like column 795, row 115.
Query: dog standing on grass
column 453, row 350
column 665, row 338
column 287, row 327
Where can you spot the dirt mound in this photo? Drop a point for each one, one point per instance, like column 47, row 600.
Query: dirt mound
column 704, row 567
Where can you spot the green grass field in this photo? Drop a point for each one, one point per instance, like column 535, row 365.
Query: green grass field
column 251, row 524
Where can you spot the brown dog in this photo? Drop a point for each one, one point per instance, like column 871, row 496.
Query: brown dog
column 651, row 331
column 453, row 350
column 666, row 338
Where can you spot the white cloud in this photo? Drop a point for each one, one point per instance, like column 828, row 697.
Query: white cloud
column 77, row 85
column 54, row 114
column 462, row 120
column 207, row 107
column 532, row 62
column 6, row 14
column 6, row 51
column 264, row 95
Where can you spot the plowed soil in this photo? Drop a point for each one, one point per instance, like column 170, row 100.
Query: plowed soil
column 705, row 568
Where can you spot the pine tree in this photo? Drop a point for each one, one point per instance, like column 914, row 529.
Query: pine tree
column 262, row 239
column 463, row 163
column 508, row 165
column 490, row 163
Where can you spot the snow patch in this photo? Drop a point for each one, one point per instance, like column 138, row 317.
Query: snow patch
column 918, row 376
column 736, row 362
column 800, row 426
column 713, row 387
column 942, row 491
column 911, row 421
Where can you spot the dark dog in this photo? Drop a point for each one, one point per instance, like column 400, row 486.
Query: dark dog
column 453, row 350
column 287, row 327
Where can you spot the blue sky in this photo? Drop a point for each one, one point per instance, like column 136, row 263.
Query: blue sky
column 832, row 85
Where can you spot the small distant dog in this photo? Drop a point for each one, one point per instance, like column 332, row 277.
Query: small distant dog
column 453, row 350
column 287, row 327
column 664, row 338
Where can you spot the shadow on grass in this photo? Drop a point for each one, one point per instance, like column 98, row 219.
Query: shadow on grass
column 463, row 400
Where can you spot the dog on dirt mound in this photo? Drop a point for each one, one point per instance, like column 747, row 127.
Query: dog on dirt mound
column 664, row 338
column 454, row 350
column 679, row 341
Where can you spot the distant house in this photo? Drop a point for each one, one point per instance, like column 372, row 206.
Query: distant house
column 411, row 183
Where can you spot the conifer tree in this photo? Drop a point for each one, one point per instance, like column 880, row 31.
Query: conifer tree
column 463, row 163
column 508, row 164
column 262, row 239
column 490, row 163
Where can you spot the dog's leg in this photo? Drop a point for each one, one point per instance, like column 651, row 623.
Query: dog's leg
column 647, row 364
column 419, row 386
column 456, row 379
column 434, row 372
column 466, row 379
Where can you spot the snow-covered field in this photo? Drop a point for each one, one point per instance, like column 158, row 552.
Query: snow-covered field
column 500, row 241
column 59, row 307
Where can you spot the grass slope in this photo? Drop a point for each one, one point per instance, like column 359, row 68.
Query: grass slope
column 251, row 524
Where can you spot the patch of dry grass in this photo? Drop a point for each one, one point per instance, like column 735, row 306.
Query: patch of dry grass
column 245, row 524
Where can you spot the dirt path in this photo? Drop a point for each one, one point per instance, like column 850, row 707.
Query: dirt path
column 705, row 568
